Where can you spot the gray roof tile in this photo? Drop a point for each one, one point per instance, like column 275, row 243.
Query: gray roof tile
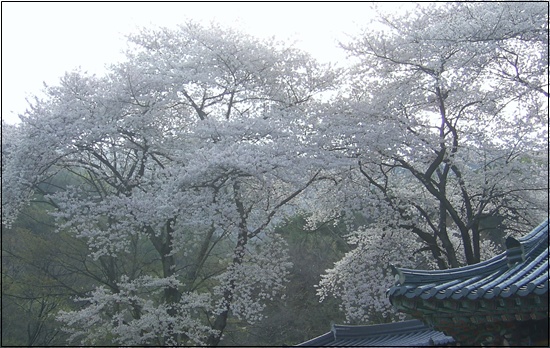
column 410, row 333
column 505, row 275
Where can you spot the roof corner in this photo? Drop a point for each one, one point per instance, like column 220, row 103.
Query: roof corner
column 399, row 276
column 514, row 251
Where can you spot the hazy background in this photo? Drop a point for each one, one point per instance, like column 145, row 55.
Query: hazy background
column 40, row 41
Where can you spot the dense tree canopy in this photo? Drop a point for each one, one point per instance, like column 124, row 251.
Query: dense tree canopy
column 185, row 158
column 445, row 127
column 191, row 144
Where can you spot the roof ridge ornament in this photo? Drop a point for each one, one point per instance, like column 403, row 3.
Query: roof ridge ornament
column 514, row 251
column 333, row 329
column 398, row 274
column 508, row 291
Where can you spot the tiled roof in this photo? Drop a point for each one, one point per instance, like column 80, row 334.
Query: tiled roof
column 411, row 333
column 520, row 271
column 475, row 302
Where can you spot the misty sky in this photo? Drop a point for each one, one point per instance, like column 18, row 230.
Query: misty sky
column 41, row 41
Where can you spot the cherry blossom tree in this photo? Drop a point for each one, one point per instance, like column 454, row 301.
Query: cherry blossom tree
column 194, row 145
column 444, row 127
column 197, row 145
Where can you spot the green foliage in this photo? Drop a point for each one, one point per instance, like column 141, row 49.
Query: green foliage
column 169, row 174
column 34, row 283
column 44, row 269
column 298, row 315
column 42, row 272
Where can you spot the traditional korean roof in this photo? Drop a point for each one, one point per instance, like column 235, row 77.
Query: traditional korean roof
column 510, row 287
column 410, row 333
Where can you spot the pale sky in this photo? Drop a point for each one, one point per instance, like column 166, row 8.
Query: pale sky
column 42, row 40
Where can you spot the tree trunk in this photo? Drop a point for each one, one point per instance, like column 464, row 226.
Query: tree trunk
column 221, row 320
column 475, row 242
column 431, row 243
column 442, row 226
column 171, row 294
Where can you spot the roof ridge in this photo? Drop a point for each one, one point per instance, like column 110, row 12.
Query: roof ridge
column 530, row 243
column 415, row 325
